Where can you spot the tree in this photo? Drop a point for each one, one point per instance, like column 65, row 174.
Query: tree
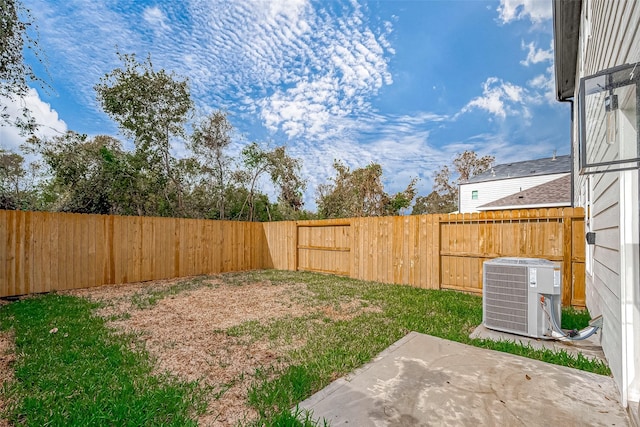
column 285, row 175
column 444, row 197
column 360, row 193
column 263, row 210
column 11, row 172
column 282, row 169
column 17, row 190
column 88, row 175
column 151, row 107
column 209, row 140
column 468, row 164
column 15, row 73
column 434, row 203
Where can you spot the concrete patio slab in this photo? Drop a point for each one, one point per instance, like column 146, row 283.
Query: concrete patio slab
column 423, row 380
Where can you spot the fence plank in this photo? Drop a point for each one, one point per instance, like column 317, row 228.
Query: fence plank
column 578, row 285
column 14, row 252
column 45, row 255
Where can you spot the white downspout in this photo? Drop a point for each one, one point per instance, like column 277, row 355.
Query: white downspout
column 629, row 280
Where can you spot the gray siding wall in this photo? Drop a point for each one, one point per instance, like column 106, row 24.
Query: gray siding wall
column 610, row 36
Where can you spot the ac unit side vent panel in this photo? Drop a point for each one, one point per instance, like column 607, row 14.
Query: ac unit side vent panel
column 506, row 300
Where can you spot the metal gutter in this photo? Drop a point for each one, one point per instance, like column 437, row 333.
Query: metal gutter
column 566, row 37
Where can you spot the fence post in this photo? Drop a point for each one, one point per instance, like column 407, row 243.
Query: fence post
column 295, row 245
column 567, row 256
column 438, row 273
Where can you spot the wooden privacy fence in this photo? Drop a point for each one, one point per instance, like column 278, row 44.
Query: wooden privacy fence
column 43, row 251
column 434, row 251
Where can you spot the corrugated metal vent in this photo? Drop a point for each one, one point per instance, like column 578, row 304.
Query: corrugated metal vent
column 506, row 297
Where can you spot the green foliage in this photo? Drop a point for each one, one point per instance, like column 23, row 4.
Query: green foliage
column 71, row 370
column 435, row 203
column 17, row 188
column 17, row 34
column 360, row 193
column 209, row 141
column 285, row 175
column 89, row 175
column 573, row 318
column 283, row 171
column 152, row 107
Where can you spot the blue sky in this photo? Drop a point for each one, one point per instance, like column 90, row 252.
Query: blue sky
column 407, row 84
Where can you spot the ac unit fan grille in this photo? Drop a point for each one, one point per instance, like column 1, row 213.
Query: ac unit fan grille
column 505, row 296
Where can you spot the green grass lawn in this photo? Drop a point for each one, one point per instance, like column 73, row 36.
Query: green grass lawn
column 86, row 374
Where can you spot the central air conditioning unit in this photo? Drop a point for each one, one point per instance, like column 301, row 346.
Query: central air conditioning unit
column 520, row 295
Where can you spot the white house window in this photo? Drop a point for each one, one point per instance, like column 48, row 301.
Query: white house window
column 474, row 195
column 609, row 120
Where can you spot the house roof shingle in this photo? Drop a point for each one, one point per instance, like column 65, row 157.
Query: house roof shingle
column 546, row 166
column 552, row 193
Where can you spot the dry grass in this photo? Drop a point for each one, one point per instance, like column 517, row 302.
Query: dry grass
column 7, row 358
column 185, row 331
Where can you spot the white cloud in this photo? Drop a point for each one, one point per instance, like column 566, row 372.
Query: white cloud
column 155, row 18
column 301, row 67
column 536, row 10
column 499, row 98
column 47, row 119
column 543, row 86
column 344, row 65
column 538, row 82
column 535, row 55
column 422, row 117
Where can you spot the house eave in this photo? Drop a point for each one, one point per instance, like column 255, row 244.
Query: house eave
column 566, row 35
column 531, row 206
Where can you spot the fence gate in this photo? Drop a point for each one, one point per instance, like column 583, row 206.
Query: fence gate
column 324, row 248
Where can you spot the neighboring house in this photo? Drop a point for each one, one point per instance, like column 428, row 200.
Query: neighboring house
column 597, row 50
column 510, row 178
column 552, row 194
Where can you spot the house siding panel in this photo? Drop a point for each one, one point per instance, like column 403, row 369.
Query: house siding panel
column 614, row 40
column 490, row 191
column 605, row 301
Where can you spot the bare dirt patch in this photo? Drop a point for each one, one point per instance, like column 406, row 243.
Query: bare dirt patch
column 185, row 332
column 7, row 358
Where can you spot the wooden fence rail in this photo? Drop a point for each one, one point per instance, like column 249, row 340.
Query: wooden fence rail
column 43, row 251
